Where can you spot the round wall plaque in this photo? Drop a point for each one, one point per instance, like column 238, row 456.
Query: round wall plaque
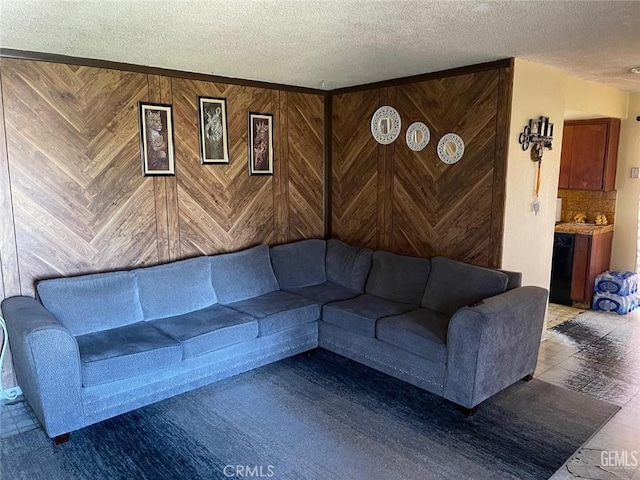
column 418, row 136
column 450, row 148
column 385, row 125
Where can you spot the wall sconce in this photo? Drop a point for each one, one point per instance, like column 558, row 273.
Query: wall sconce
column 540, row 134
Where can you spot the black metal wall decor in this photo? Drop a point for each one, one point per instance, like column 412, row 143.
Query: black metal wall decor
column 539, row 134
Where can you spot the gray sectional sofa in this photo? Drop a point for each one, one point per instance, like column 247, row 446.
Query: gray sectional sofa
column 99, row 345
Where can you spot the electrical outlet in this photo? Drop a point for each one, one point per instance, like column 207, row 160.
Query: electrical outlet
column 635, row 172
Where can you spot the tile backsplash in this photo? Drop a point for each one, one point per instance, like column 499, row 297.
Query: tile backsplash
column 589, row 202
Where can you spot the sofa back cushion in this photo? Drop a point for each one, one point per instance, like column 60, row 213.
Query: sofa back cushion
column 90, row 303
column 398, row 277
column 175, row 288
column 299, row 264
column 348, row 266
column 514, row 279
column 241, row 275
column 453, row 285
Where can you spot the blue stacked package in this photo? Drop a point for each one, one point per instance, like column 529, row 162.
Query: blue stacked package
column 617, row 282
column 610, row 302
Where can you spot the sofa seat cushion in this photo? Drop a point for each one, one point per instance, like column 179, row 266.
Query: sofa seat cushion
column 208, row 329
column 278, row 311
column 360, row 314
column 124, row 352
column 325, row 292
column 422, row 331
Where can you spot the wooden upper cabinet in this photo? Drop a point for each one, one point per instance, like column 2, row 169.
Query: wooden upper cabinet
column 565, row 156
column 589, row 154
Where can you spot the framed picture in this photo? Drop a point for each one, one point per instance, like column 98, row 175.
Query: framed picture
column 260, row 144
column 214, row 141
column 156, row 139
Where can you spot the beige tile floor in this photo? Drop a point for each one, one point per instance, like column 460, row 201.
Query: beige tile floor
column 558, row 314
column 16, row 416
column 598, row 354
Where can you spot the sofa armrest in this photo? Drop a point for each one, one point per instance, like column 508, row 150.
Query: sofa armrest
column 47, row 364
column 493, row 344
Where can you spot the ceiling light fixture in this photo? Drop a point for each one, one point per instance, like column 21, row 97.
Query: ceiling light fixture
column 635, row 70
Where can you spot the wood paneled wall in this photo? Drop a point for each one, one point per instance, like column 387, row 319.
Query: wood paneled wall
column 72, row 196
column 392, row 198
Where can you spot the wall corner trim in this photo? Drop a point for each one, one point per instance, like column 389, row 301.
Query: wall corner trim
column 327, row 172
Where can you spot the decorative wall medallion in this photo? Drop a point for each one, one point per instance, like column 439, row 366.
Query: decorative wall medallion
column 385, row 125
column 450, row 148
column 418, row 136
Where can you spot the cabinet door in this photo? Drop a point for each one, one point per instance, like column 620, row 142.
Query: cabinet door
column 599, row 260
column 580, row 273
column 591, row 256
column 588, row 148
column 565, row 156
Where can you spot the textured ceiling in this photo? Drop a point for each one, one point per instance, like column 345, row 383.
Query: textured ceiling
column 333, row 43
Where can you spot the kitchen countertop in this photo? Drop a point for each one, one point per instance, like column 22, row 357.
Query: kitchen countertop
column 583, row 228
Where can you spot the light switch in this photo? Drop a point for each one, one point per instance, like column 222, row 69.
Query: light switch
column 635, row 172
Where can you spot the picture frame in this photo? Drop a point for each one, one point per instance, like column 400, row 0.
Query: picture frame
column 213, row 131
column 260, row 143
column 157, row 150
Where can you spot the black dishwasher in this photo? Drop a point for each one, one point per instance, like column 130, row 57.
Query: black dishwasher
column 561, row 268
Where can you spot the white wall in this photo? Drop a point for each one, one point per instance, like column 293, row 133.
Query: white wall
column 528, row 238
column 625, row 235
column 540, row 90
column 594, row 99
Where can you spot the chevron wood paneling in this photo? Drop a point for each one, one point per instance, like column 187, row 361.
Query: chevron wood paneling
column 385, row 181
column 441, row 209
column 164, row 187
column 5, row 199
column 9, row 280
column 505, row 94
column 281, row 217
column 9, row 276
column 79, row 199
column 305, row 163
column 354, row 186
column 392, row 198
column 71, row 176
column 221, row 207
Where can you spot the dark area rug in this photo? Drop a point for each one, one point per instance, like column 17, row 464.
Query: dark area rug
column 323, row 418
